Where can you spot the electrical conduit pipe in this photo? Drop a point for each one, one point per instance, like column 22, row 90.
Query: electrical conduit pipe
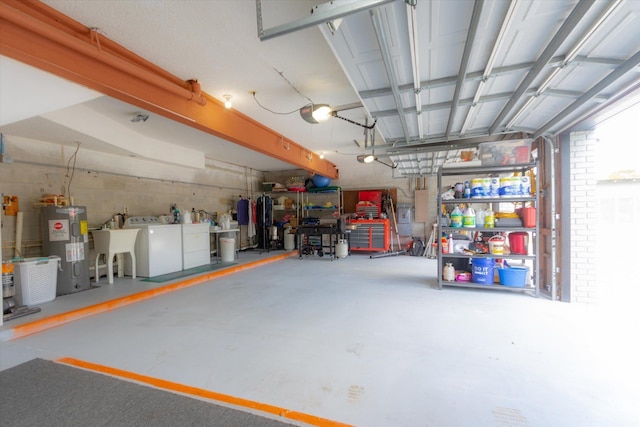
column 552, row 195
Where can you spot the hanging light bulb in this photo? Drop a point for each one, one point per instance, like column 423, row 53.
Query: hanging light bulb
column 315, row 113
column 322, row 155
column 321, row 112
column 227, row 101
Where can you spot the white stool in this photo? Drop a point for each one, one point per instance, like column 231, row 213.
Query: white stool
column 112, row 242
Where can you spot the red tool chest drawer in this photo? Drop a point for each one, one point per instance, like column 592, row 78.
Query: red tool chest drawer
column 370, row 235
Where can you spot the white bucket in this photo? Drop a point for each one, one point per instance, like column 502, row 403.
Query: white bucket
column 496, row 245
column 227, row 249
column 289, row 241
column 342, row 249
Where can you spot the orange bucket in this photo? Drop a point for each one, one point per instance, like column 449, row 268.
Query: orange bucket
column 528, row 216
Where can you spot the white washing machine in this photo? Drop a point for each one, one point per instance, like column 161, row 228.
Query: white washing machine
column 158, row 247
column 196, row 249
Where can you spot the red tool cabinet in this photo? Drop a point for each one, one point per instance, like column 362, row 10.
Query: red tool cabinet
column 369, row 204
column 372, row 235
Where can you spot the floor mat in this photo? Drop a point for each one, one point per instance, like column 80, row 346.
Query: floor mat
column 188, row 272
column 40, row 392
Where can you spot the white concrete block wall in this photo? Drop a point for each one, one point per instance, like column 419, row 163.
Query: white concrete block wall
column 583, row 217
column 107, row 184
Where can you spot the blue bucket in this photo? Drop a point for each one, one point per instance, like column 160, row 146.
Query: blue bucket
column 482, row 271
column 515, row 277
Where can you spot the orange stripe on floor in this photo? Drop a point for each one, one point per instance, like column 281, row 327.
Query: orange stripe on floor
column 40, row 325
column 207, row 394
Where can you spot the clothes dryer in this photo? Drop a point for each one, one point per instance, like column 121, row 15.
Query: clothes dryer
column 158, row 247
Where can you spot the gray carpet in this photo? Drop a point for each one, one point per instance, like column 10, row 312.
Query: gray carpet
column 44, row 393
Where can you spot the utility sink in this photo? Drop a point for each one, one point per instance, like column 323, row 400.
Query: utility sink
column 112, row 242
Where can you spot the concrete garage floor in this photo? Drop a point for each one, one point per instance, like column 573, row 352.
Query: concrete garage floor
column 369, row 342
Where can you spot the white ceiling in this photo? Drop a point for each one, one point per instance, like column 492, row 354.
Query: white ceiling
column 420, row 101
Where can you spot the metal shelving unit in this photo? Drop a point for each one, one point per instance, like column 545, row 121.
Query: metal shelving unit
column 297, row 198
column 318, row 199
column 534, row 201
column 320, row 236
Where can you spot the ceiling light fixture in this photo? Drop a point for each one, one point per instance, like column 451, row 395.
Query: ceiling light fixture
column 315, row 113
column 227, row 101
column 366, row 158
column 322, row 155
column 370, row 158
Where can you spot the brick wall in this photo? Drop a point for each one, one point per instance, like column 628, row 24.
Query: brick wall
column 583, row 217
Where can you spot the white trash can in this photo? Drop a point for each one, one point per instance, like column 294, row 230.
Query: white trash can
column 227, row 249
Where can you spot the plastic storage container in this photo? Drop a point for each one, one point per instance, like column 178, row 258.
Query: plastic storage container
column 36, row 280
column 515, row 277
column 504, row 152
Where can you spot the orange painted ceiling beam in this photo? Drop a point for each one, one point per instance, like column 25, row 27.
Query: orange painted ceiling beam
column 38, row 35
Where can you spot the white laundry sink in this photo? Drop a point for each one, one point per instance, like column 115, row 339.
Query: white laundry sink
column 112, row 242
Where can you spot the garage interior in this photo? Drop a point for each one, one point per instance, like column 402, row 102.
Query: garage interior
column 120, row 107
